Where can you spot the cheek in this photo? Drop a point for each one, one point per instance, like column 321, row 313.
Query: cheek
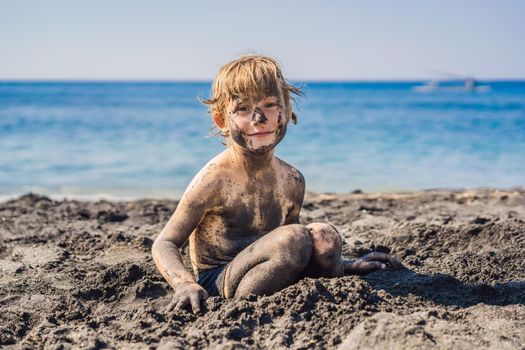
column 282, row 119
column 281, row 125
column 281, row 132
column 273, row 123
column 242, row 124
column 236, row 133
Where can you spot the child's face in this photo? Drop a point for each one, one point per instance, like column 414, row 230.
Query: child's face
column 257, row 125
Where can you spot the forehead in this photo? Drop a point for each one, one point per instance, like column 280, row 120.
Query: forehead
column 254, row 99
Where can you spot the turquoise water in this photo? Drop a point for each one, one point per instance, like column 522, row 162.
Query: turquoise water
column 122, row 139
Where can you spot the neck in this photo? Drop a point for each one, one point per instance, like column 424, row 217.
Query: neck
column 251, row 161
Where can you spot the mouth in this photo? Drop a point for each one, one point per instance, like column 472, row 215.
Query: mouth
column 261, row 133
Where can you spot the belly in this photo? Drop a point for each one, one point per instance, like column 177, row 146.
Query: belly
column 223, row 235
column 208, row 250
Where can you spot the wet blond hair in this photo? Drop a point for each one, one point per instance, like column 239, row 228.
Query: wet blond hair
column 250, row 76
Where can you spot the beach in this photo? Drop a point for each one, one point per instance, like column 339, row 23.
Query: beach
column 79, row 274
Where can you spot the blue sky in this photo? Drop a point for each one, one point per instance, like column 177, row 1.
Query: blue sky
column 314, row 40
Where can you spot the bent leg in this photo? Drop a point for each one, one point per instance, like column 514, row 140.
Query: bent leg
column 269, row 264
column 326, row 260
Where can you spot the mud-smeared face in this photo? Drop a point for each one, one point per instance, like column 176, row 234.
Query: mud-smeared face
column 257, row 126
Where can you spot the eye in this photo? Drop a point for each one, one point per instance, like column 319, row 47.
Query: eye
column 243, row 109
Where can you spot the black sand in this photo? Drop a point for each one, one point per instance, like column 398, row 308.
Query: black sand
column 80, row 275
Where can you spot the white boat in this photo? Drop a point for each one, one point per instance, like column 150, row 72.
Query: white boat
column 463, row 84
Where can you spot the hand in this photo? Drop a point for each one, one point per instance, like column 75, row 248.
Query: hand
column 188, row 294
column 371, row 262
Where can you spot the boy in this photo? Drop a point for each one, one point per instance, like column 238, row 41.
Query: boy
column 241, row 211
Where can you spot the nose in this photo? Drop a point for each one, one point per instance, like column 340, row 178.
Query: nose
column 258, row 116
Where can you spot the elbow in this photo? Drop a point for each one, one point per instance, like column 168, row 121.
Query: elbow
column 161, row 245
column 155, row 247
column 154, row 250
column 157, row 251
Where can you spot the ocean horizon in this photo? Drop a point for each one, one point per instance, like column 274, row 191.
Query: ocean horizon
column 147, row 139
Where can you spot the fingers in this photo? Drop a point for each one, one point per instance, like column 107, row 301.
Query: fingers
column 181, row 304
column 384, row 258
column 195, row 302
column 376, row 256
column 362, row 267
column 396, row 264
column 178, row 303
column 171, row 306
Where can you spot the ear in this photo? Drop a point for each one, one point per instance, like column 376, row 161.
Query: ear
column 219, row 120
column 293, row 117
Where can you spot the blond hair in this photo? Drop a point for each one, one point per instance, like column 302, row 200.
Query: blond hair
column 250, row 76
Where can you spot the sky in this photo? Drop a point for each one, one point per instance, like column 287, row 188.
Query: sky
column 313, row 40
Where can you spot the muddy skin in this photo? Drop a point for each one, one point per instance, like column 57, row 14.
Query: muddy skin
column 269, row 264
column 274, row 215
column 326, row 259
column 247, row 150
column 281, row 129
column 258, row 116
column 280, row 132
column 237, row 135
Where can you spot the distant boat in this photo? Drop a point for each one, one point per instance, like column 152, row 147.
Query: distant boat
column 458, row 83
column 468, row 85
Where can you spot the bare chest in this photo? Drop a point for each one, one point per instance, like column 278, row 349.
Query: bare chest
column 255, row 208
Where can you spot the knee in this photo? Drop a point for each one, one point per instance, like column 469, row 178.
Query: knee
column 296, row 245
column 325, row 239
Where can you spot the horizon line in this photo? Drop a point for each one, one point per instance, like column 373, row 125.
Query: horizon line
column 153, row 80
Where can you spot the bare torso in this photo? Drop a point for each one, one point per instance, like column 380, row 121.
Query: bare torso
column 245, row 208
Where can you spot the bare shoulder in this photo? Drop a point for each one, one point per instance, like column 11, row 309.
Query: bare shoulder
column 201, row 197
column 294, row 188
column 292, row 175
column 294, row 183
column 206, row 184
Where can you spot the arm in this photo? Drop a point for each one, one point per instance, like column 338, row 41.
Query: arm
column 298, row 198
column 192, row 208
column 165, row 249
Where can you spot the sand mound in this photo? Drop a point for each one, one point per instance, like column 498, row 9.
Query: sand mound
column 437, row 329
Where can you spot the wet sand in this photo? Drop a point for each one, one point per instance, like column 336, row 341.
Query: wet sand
column 79, row 274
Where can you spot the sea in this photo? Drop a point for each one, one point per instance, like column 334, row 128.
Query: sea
column 128, row 140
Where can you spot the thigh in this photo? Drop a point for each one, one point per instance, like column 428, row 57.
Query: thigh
column 289, row 245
